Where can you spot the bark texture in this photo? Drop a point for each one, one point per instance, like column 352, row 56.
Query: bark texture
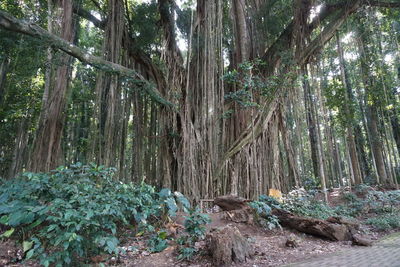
column 47, row 148
column 227, row 245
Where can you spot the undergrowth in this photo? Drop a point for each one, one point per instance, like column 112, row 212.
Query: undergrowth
column 364, row 200
column 262, row 211
column 67, row 216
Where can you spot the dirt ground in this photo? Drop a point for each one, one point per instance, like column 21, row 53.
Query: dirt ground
column 270, row 248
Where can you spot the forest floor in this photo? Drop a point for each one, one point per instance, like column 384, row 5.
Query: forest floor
column 270, row 250
column 269, row 247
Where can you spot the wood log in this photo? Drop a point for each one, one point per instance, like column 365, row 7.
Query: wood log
column 227, row 244
column 231, row 202
column 333, row 228
column 321, row 228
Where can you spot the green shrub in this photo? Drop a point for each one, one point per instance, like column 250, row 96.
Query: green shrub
column 303, row 203
column 354, row 205
column 386, row 222
column 158, row 242
column 262, row 210
column 383, row 201
column 75, row 212
column 195, row 231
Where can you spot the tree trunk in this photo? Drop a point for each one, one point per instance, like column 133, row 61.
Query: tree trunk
column 371, row 107
column 108, row 88
column 3, row 74
column 349, row 115
column 47, row 148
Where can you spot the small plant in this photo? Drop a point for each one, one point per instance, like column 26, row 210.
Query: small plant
column 262, row 210
column 195, row 228
column 158, row 242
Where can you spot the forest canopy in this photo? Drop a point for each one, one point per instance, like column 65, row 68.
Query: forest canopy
column 203, row 97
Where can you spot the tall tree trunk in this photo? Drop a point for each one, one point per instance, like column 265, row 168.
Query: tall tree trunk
column 349, row 114
column 242, row 38
column 5, row 62
column 371, row 107
column 20, row 147
column 313, row 131
column 47, row 148
column 108, row 88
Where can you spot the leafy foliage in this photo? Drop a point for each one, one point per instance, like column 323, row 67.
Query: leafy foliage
column 304, row 203
column 195, row 231
column 75, row 212
column 263, row 208
column 158, row 242
column 385, row 222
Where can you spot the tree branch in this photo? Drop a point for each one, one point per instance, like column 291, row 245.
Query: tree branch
column 129, row 44
column 88, row 16
column 383, row 4
column 11, row 23
column 167, row 23
column 328, row 32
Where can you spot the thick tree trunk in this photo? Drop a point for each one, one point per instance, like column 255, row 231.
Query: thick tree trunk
column 20, row 148
column 394, row 120
column 108, row 87
column 47, row 148
column 242, row 38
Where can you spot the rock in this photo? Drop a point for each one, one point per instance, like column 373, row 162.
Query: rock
column 291, row 242
column 227, row 244
column 361, row 240
column 145, row 253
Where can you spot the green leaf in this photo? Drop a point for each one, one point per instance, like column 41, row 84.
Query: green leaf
column 4, row 220
column 21, row 217
column 29, row 254
column 172, row 207
column 36, row 223
column 27, row 245
column 183, row 200
column 165, row 192
column 111, row 247
column 8, row 233
column 163, row 235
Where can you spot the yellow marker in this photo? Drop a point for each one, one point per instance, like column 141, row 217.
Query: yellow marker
column 275, row 193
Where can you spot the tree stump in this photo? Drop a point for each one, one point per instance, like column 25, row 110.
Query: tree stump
column 227, row 244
